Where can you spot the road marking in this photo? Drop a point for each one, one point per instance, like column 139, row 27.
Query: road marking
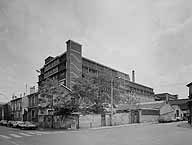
column 4, row 136
column 24, row 134
column 38, row 132
column 29, row 132
column 45, row 132
column 12, row 142
column 34, row 133
column 15, row 135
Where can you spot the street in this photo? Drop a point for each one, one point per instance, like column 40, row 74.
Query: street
column 151, row 134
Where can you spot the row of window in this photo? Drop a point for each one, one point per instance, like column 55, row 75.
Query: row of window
column 17, row 115
column 139, row 91
column 33, row 101
column 100, row 68
column 52, row 64
column 16, row 106
column 51, row 72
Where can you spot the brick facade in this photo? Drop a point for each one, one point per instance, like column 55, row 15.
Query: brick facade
column 71, row 64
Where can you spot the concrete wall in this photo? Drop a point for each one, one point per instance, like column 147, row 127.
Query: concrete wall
column 166, row 109
column 167, row 112
column 65, row 122
column 176, row 107
column 149, row 118
column 168, row 116
column 94, row 120
column 45, row 121
column 89, row 121
column 120, row 118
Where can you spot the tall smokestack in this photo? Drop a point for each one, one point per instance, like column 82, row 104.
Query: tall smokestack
column 133, row 76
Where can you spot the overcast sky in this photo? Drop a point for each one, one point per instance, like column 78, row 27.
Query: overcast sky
column 153, row 37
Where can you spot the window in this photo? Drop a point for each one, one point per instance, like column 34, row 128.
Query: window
column 177, row 113
column 33, row 113
column 50, row 112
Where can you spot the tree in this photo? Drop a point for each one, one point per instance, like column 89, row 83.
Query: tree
column 56, row 97
column 130, row 99
column 94, row 90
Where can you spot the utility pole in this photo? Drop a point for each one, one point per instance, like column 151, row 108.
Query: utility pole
column 111, row 117
column 112, row 90
column 52, row 110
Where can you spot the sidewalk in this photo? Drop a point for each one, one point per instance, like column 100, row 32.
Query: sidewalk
column 97, row 128
column 185, row 125
column 56, row 129
column 125, row 125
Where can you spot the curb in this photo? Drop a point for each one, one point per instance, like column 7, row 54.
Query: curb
column 118, row 126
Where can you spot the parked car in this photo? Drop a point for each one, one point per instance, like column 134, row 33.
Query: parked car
column 27, row 125
column 3, row 122
column 10, row 123
column 16, row 123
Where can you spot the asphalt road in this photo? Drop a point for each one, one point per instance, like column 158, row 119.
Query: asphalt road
column 154, row 134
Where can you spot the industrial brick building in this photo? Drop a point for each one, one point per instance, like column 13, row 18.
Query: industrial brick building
column 71, row 64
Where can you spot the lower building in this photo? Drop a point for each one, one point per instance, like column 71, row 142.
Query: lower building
column 6, row 111
column 165, row 97
column 183, row 107
column 189, row 103
column 32, row 110
column 151, row 111
column 16, row 109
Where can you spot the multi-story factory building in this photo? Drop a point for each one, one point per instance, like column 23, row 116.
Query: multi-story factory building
column 71, row 64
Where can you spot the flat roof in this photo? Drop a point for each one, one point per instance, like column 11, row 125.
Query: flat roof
column 179, row 101
column 189, row 84
column 103, row 65
column 160, row 94
column 15, row 99
column 116, row 71
column 140, row 85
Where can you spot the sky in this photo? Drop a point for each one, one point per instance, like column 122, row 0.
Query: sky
column 152, row 37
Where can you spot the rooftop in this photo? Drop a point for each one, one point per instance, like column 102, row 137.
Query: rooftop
column 151, row 105
column 189, row 84
column 179, row 101
column 15, row 99
column 161, row 94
